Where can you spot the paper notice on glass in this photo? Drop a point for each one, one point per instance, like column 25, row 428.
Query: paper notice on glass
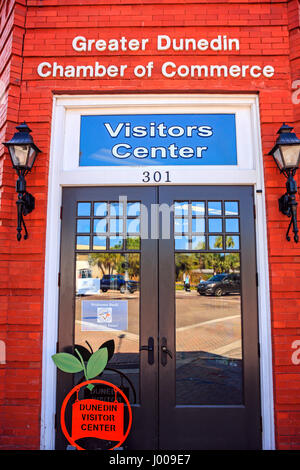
column 104, row 315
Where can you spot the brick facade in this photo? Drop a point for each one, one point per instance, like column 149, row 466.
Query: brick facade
column 33, row 31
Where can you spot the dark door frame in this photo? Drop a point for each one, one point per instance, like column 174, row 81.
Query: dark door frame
column 143, row 413
column 162, row 275
column 233, row 419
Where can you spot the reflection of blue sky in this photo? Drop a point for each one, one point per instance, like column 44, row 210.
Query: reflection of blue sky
column 96, row 142
column 100, row 226
column 215, row 225
column 214, row 208
column 116, row 209
column 181, row 208
column 83, row 226
column 232, row 225
column 198, row 243
column 181, row 225
column 198, row 225
column 83, row 243
column 99, row 243
column 133, row 225
column 231, row 208
column 83, row 209
column 133, row 208
column 100, row 208
column 198, row 208
column 116, row 225
column 181, row 243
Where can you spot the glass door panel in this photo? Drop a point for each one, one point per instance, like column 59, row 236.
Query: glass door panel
column 108, row 308
column 209, row 366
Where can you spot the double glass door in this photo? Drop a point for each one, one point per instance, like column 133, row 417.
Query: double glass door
column 166, row 278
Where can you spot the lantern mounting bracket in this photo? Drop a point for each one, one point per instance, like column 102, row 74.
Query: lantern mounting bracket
column 288, row 205
column 25, row 205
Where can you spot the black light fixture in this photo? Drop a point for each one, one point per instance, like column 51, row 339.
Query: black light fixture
column 23, row 152
column 286, row 154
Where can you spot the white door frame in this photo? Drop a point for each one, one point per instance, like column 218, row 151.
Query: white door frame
column 64, row 171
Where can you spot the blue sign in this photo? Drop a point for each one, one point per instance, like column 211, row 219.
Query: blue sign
column 104, row 315
column 158, row 139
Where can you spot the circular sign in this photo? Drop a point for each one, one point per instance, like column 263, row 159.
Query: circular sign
column 112, row 414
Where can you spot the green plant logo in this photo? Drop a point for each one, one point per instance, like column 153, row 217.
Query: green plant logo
column 71, row 364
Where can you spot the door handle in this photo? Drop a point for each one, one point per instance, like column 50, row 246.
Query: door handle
column 165, row 352
column 150, row 349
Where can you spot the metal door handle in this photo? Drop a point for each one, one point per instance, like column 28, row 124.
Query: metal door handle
column 165, row 352
column 150, row 349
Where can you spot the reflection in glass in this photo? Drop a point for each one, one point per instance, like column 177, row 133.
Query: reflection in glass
column 83, row 226
column 232, row 242
column 181, row 243
column 99, row 243
column 133, row 225
column 198, row 242
column 116, row 225
column 181, row 225
column 100, row 225
column 231, row 208
column 181, row 208
column 133, row 209
column 100, row 209
column 84, row 209
column 198, row 208
column 133, row 243
column 232, row 225
column 115, row 243
column 198, row 225
column 209, row 365
column 107, row 308
column 215, row 242
column 214, row 225
column 82, row 243
column 214, row 207
column 116, row 209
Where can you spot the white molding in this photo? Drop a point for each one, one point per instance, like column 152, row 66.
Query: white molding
column 50, row 324
column 264, row 308
column 63, row 172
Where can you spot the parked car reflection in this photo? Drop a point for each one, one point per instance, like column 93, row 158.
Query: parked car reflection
column 117, row 282
column 220, row 284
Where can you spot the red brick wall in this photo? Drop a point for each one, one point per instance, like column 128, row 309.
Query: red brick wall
column 38, row 30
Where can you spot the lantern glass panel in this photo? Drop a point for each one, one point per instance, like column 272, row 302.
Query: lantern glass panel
column 19, row 154
column 290, row 155
column 32, row 155
column 278, row 158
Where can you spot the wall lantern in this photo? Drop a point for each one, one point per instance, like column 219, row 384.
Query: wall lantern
column 23, row 152
column 286, row 154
